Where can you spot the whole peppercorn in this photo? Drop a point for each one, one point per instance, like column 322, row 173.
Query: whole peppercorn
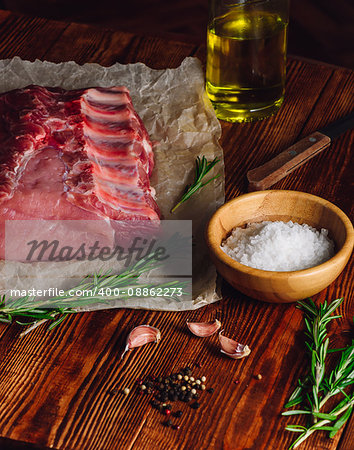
column 178, row 413
column 154, row 403
column 126, row 391
column 181, row 396
column 202, row 387
column 203, row 379
column 171, row 394
column 179, row 377
column 195, row 405
column 186, row 378
column 188, row 371
column 168, row 423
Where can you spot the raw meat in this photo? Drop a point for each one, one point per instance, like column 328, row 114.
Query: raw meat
column 81, row 154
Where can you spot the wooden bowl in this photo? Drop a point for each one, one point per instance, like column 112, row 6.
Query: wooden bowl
column 280, row 287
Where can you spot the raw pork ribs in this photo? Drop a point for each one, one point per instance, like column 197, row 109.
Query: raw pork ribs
column 81, row 154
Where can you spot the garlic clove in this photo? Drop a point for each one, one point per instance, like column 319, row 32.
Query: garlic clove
column 232, row 348
column 141, row 335
column 204, row 329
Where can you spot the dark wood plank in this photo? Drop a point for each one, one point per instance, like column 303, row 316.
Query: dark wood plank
column 323, row 30
column 319, row 29
column 62, row 389
column 27, row 38
column 93, row 44
column 347, row 438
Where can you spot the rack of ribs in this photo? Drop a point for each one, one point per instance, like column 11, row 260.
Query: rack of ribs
column 79, row 154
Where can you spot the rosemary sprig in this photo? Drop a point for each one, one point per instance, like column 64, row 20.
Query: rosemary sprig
column 314, row 391
column 202, row 168
column 56, row 309
column 345, row 408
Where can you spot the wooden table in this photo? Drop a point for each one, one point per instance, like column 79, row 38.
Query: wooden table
column 61, row 389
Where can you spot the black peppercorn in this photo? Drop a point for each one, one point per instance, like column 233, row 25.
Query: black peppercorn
column 188, row 371
column 154, row 403
column 168, row 423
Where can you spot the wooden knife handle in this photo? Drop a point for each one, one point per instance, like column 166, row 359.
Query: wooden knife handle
column 293, row 157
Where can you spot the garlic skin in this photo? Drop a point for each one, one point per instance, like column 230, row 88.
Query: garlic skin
column 232, row 348
column 204, row 329
column 141, row 335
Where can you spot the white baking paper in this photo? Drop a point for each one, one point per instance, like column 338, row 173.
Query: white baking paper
column 179, row 117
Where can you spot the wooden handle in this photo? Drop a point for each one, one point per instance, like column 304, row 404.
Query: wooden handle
column 293, row 157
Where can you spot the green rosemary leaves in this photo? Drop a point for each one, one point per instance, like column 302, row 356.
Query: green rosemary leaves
column 318, row 387
column 202, row 168
column 105, row 288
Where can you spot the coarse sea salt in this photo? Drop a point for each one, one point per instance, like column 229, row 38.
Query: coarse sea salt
column 279, row 246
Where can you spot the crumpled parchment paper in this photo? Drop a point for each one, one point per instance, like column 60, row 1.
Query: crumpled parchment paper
column 177, row 114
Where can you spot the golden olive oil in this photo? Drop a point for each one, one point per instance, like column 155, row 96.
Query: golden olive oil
column 246, row 58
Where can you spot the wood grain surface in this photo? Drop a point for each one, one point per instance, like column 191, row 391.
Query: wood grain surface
column 318, row 29
column 62, row 389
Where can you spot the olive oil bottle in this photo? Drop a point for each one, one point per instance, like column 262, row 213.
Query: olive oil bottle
column 246, row 58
